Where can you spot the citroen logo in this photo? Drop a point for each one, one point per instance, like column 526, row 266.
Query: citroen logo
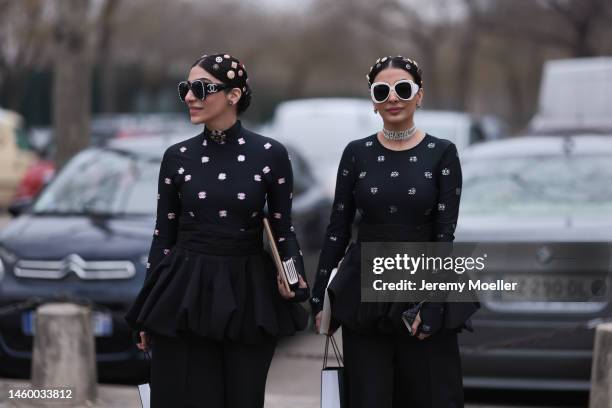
column 73, row 263
column 543, row 254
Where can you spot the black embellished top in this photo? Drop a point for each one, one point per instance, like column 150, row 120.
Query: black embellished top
column 207, row 271
column 413, row 187
column 225, row 181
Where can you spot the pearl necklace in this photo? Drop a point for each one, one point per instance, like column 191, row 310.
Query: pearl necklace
column 399, row 134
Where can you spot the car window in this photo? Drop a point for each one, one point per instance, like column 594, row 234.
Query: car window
column 105, row 182
column 538, row 185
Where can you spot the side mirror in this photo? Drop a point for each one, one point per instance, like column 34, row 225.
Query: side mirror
column 18, row 207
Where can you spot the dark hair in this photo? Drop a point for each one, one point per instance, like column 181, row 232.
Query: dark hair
column 230, row 71
column 400, row 62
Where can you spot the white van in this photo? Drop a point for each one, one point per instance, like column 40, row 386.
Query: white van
column 320, row 128
column 575, row 95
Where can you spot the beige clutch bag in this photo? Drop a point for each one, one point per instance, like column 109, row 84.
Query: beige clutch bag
column 285, row 269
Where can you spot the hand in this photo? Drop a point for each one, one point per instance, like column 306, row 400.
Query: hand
column 145, row 342
column 415, row 327
column 289, row 294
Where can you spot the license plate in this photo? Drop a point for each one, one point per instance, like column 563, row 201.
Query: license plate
column 552, row 288
column 102, row 323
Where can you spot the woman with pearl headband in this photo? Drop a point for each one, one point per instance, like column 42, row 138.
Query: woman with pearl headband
column 406, row 185
column 212, row 306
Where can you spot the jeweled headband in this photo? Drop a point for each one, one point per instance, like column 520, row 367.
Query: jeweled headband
column 226, row 69
column 400, row 62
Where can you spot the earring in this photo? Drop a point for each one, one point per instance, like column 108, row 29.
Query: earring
column 230, row 103
column 375, row 110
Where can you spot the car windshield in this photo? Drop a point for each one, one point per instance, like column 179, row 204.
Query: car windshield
column 105, row 182
column 538, row 185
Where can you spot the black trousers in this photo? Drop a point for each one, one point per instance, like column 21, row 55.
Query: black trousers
column 190, row 371
column 400, row 371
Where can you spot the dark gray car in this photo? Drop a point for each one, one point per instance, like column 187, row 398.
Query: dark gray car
column 544, row 192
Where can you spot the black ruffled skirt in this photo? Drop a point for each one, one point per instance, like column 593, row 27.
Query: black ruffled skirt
column 217, row 296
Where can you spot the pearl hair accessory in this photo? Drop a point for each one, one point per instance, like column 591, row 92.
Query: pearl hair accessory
column 399, row 134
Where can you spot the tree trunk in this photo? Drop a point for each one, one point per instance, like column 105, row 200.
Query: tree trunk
column 71, row 80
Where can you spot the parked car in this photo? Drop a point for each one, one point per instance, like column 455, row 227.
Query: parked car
column 542, row 192
column 575, row 96
column 321, row 128
column 14, row 155
column 86, row 238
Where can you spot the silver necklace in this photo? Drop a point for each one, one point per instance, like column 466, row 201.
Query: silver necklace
column 399, row 134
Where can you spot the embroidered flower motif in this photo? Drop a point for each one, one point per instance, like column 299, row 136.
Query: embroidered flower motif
column 222, row 176
column 241, row 157
column 166, row 251
column 158, row 196
column 362, row 174
column 394, row 173
column 204, row 143
column 257, row 177
column 218, row 60
column 148, row 265
column 202, row 194
column 368, row 143
column 181, row 170
column 281, row 239
column 392, row 209
column 340, row 207
column 374, row 190
column 183, row 149
column 191, row 213
column 171, row 216
column 266, row 170
column 381, row 158
column 278, row 216
column 241, row 196
column 254, row 214
column 188, row 177
column 267, row 146
column 345, row 172
column 445, row 171
column 441, row 207
column 156, row 232
column 413, row 159
column 281, row 180
column 205, row 159
column 412, row 191
column 428, row 174
column 431, row 145
column 241, row 141
column 333, row 238
column 167, row 180
column 223, row 213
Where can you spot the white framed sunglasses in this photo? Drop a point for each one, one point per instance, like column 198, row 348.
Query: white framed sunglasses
column 405, row 89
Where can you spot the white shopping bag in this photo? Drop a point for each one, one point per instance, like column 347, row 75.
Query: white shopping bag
column 145, row 395
column 326, row 312
column 332, row 379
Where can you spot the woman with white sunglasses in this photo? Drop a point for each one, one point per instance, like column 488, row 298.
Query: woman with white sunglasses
column 406, row 185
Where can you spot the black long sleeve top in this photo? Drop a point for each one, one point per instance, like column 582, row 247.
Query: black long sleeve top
column 413, row 187
column 225, row 181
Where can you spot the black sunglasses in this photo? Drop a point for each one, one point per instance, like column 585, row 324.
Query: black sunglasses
column 199, row 88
